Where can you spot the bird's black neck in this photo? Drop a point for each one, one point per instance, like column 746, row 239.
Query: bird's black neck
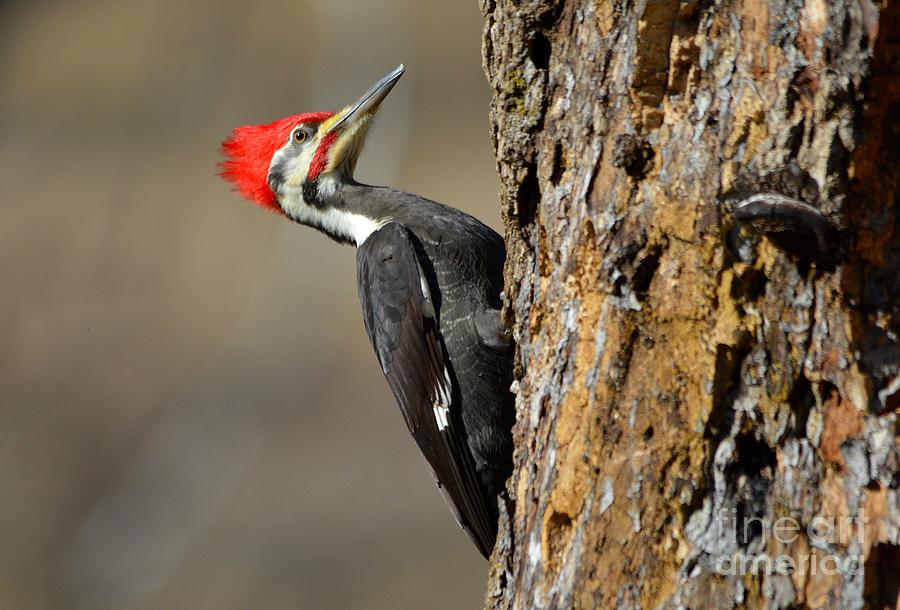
column 348, row 211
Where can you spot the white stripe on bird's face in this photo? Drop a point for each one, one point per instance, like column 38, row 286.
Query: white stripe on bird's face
column 292, row 162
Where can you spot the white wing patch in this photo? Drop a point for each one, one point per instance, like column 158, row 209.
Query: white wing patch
column 441, row 404
column 442, row 400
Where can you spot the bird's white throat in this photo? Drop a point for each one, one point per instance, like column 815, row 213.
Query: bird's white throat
column 334, row 221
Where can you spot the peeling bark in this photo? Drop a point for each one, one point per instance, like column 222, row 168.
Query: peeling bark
column 691, row 395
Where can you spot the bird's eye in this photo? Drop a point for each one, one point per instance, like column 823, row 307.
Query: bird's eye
column 299, row 135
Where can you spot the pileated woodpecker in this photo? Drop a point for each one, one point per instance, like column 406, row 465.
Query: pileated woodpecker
column 430, row 279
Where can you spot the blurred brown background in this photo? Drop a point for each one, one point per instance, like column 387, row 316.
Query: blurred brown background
column 191, row 413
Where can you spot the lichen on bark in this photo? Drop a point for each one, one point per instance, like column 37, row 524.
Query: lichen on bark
column 684, row 386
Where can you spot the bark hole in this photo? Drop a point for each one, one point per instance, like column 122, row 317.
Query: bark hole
column 558, row 163
column 750, row 286
column 540, row 51
column 645, row 270
column 558, row 530
column 882, row 577
column 726, row 382
column 633, row 154
column 801, row 400
column 528, row 196
column 749, row 476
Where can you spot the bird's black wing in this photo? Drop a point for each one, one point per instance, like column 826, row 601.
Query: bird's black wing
column 400, row 319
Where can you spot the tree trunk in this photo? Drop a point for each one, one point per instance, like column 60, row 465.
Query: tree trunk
column 706, row 418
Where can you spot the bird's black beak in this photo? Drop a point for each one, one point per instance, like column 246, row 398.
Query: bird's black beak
column 366, row 106
column 345, row 132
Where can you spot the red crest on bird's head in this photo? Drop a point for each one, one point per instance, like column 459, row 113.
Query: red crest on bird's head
column 248, row 155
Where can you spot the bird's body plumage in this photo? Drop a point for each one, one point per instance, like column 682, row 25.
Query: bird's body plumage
column 430, row 279
column 442, row 371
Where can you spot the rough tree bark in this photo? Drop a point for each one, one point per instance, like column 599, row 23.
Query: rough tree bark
column 683, row 384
